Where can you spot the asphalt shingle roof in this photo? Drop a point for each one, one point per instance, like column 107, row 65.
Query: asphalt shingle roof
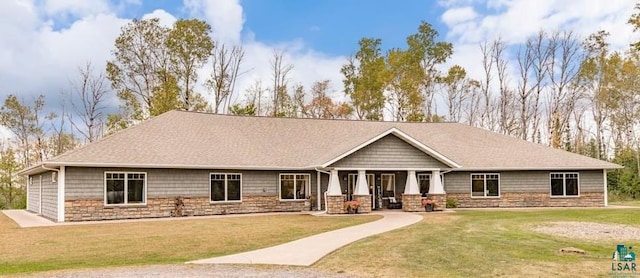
column 188, row 139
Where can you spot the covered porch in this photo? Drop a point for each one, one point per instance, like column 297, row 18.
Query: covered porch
column 383, row 188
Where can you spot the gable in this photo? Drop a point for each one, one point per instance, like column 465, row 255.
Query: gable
column 389, row 152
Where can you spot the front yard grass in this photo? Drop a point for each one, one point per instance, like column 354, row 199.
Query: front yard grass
column 483, row 243
column 26, row 250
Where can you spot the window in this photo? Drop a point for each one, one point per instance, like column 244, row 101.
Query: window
column 226, row 187
column 485, row 185
column 388, row 185
column 125, row 188
column 564, row 184
column 424, row 181
column 294, row 186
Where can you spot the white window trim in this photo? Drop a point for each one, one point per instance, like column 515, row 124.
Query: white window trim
column 295, row 198
column 126, row 189
column 383, row 185
column 226, row 189
column 564, row 185
column 485, row 186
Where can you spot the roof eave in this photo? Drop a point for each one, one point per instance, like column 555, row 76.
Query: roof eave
column 163, row 166
column 555, row 168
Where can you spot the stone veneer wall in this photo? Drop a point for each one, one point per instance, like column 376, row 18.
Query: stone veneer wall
column 94, row 209
column 586, row 199
column 412, row 202
column 365, row 203
column 335, row 204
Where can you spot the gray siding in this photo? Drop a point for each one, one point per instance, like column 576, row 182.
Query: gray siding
column 524, row 181
column 88, row 183
column 389, row 152
column 49, row 197
column 33, row 203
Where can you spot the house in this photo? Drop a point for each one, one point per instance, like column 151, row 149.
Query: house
column 187, row 163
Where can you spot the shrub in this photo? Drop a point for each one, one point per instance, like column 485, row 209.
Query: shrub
column 452, row 202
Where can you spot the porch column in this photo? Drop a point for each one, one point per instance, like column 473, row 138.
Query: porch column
column 334, row 184
column 436, row 190
column 411, row 187
column 361, row 192
column 436, row 184
column 335, row 201
column 362, row 187
column 411, row 199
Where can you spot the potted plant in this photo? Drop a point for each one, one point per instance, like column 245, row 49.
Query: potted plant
column 429, row 204
column 351, row 206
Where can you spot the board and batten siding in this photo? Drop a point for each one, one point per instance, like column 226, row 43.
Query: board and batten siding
column 88, row 183
column 524, row 181
column 49, row 196
column 389, row 152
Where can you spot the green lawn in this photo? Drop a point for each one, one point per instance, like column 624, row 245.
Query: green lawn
column 482, row 243
column 26, row 250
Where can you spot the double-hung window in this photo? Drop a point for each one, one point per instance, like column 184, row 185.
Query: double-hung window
column 295, row 186
column 564, row 184
column 122, row 188
column 485, row 185
column 226, row 187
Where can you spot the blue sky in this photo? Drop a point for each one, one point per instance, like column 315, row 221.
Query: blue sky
column 332, row 27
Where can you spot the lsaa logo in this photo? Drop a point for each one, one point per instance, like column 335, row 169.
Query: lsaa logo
column 624, row 260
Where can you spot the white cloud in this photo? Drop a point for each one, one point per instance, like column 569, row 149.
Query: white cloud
column 458, row 15
column 225, row 17
column 166, row 19
column 78, row 8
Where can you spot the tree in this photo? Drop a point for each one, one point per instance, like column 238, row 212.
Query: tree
column 12, row 194
column 365, row 78
column 23, row 121
column 596, row 76
column 564, row 94
column 140, row 65
column 87, row 102
column 405, row 78
column 222, row 82
column 322, row 106
column 458, row 89
column 190, row 46
column 280, row 76
column 430, row 53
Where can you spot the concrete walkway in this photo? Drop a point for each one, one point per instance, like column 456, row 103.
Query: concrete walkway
column 306, row 251
column 27, row 219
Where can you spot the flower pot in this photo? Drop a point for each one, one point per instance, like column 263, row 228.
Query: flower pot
column 428, row 207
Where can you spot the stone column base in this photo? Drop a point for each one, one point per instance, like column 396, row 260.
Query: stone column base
column 412, row 202
column 335, row 204
column 441, row 200
column 365, row 203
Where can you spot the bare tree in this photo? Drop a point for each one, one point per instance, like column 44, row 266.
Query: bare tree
column 280, row 74
column 87, row 103
column 507, row 123
column 226, row 65
column 563, row 94
column 487, row 65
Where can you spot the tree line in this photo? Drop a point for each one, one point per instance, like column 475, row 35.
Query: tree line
column 556, row 88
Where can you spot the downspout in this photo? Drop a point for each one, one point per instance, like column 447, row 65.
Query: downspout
column 318, row 191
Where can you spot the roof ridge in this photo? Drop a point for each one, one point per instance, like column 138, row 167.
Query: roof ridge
column 309, row 119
